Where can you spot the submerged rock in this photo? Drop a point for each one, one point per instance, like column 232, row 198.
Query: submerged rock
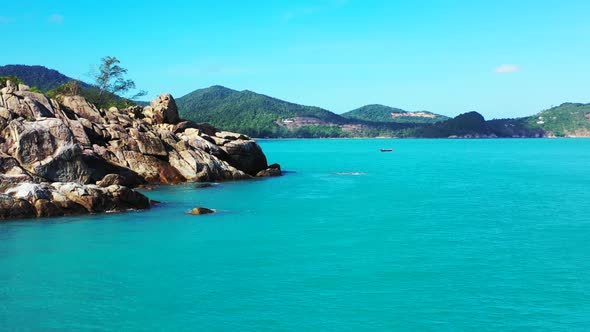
column 200, row 210
column 203, row 185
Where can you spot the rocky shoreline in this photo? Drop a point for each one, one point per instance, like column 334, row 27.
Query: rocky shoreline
column 65, row 156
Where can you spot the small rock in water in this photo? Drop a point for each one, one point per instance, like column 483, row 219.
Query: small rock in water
column 201, row 210
column 272, row 170
column 203, row 185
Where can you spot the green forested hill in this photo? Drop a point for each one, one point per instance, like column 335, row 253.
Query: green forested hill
column 471, row 123
column 382, row 113
column 249, row 112
column 263, row 116
column 36, row 76
column 568, row 119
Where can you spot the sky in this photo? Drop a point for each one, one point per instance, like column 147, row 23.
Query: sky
column 500, row 58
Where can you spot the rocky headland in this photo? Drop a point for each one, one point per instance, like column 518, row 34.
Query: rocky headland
column 65, row 156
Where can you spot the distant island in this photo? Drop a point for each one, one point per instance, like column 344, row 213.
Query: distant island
column 258, row 115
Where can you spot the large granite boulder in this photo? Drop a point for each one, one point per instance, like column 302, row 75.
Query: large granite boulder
column 245, row 154
column 82, row 108
column 11, row 172
column 46, row 148
column 163, row 110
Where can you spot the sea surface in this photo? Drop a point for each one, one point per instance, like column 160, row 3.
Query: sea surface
column 438, row 235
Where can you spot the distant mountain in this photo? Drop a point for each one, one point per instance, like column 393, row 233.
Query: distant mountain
column 382, row 113
column 263, row 116
column 256, row 114
column 37, row 76
column 259, row 115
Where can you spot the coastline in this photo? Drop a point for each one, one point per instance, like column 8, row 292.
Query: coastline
column 65, row 156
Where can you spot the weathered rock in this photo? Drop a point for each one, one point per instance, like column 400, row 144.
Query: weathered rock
column 4, row 113
column 125, row 199
column 246, row 155
column 111, row 179
column 120, row 180
column 39, row 99
column 11, row 208
column 96, row 199
column 200, row 210
column 196, row 165
column 73, row 144
column 152, row 169
column 46, row 208
column 11, row 87
column 148, row 143
column 11, row 173
column 163, row 110
column 272, row 170
column 46, row 148
column 29, row 191
column 82, row 108
column 184, row 125
column 231, row 136
column 135, row 112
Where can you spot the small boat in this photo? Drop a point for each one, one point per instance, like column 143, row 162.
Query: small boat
column 387, row 150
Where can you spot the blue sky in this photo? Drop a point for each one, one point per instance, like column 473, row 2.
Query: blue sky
column 500, row 58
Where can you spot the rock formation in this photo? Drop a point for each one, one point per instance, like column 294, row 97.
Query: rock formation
column 67, row 156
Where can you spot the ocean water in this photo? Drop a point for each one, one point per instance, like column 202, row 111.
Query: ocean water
column 439, row 235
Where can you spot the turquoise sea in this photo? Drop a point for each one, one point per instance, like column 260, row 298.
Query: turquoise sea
column 438, row 235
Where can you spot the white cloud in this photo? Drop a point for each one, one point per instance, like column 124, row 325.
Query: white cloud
column 507, row 69
column 55, row 18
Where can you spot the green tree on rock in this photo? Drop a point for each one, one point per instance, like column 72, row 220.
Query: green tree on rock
column 111, row 81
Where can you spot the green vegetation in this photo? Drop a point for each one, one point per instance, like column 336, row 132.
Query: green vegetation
column 13, row 79
column 111, row 83
column 109, row 91
column 255, row 114
column 262, row 116
column 92, row 94
column 70, row 88
column 471, row 123
column 35, row 76
column 382, row 113
column 569, row 119
column 17, row 80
